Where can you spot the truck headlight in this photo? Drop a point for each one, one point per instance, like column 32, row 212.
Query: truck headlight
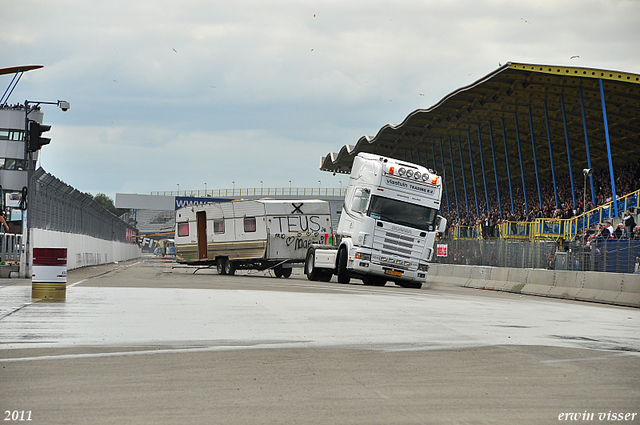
column 423, row 267
column 363, row 256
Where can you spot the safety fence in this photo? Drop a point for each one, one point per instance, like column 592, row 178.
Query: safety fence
column 59, row 207
column 608, row 255
column 497, row 253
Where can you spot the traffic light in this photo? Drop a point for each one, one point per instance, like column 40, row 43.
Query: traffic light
column 35, row 131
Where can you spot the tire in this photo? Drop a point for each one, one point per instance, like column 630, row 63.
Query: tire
column 343, row 273
column 286, row 273
column 326, row 276
column 374, row 280
column 368, row 280
column 220, row 266
column 312, row 273
column 229, row 268
column 277, row 271
column 412, row 285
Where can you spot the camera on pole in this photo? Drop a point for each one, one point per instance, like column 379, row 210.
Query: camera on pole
column 35, row 133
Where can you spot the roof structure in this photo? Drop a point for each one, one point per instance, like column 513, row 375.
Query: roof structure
column 516, row 118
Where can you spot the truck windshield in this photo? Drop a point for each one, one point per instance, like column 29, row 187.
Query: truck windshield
column 402, row 213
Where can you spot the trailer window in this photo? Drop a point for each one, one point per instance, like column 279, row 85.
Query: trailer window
column 218, row 225
column 403, row 213
column 249, row 224
column 183, row 229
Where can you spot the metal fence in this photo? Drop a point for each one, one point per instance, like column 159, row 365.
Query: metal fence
column 58, row 206
column 609, row 255
column 498, row 253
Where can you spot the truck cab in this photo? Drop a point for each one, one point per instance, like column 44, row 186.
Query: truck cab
column 388, row 224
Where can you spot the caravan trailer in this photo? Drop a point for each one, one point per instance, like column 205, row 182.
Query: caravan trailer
column 251, row 234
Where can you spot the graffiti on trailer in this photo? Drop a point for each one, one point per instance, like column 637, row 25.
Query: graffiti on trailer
column 297, row 223
column 301, row 240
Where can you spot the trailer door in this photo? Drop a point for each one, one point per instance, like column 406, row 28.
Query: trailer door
column 201, row 223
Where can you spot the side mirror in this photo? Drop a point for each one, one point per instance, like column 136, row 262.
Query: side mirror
column 441, row 222
column 360, row 199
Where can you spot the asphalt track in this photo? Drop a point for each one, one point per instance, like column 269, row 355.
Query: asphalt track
column 150, row 342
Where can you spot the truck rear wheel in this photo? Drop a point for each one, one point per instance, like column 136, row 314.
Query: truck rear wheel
column 312, row 273
column 343, row 273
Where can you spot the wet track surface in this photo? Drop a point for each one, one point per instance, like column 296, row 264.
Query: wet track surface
column 256, row 310
column 433, row 354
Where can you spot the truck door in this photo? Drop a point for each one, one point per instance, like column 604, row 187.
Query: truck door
column 201, row 223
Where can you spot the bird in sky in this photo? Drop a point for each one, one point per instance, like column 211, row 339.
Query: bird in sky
column 573, row 57
column 526, row 21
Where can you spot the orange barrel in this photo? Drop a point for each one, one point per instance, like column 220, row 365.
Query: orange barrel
column 49, row 277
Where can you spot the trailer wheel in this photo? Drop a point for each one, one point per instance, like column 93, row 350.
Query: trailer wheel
column 229, row 268
column 343, row 273
column 282, row 271
column 220, row 266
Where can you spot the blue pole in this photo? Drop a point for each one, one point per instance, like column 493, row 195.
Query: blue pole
column 453, row 175
column 524, row 189
column 506, row 157
column 473, row 175
column 495, row 169
column 566, row 138
column 484, row 179
column 553, row 173
column 606, row 134
column 586, row 143
column 535, row 162
column 464, row 183
column 444, row 178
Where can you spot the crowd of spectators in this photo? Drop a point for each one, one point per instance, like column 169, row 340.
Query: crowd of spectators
column 627, row 180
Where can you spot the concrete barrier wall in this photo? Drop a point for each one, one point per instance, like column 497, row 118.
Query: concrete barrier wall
column 611, row 288
column 83, row 250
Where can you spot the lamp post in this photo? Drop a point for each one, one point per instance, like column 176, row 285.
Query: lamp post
column 28, row 157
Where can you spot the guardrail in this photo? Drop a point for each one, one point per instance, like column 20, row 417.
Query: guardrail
column 259, row 191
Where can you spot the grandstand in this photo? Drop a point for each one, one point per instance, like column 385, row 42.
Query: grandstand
column 532, row 154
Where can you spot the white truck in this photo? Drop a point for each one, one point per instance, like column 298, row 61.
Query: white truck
column 387, row 227
column 251, row 234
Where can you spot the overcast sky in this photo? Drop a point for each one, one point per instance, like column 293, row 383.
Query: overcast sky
column 168, row 93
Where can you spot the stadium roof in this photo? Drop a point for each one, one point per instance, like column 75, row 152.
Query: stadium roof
column 487, row 112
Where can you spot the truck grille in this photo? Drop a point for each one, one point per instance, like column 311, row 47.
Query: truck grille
column 395, row 244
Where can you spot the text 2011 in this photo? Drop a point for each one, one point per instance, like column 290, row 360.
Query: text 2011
column 17, row 415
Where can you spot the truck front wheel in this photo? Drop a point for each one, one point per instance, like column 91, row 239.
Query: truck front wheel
column 343, row 273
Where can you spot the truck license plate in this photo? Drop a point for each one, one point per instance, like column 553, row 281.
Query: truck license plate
column 393, row 272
